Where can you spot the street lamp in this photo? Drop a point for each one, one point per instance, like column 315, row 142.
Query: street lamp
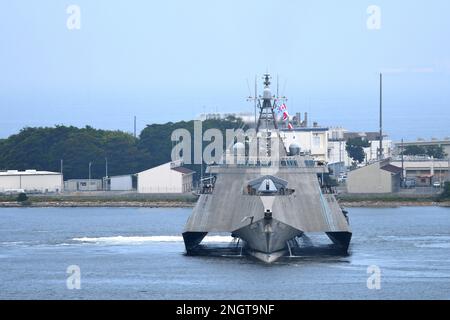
column 89, row 186
column 105, row 181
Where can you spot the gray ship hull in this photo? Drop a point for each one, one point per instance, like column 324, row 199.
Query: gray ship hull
column 229, row 209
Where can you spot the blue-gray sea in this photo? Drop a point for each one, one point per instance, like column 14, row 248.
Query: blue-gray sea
column 134, row 253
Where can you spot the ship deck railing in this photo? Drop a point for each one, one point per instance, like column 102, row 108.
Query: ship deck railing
column 290, row 161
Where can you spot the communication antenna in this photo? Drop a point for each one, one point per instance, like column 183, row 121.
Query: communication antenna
column 254, row 97
column 381, row 118
column 278, row 86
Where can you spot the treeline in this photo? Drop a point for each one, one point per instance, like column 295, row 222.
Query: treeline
column 436, row 152
column 43, row 148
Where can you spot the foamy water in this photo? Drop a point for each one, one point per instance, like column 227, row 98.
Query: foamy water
column 119, row 240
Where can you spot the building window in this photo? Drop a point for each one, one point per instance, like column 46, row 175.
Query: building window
column 316, row 141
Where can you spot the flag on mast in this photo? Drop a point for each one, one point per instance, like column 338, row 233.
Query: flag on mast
column 282, row 107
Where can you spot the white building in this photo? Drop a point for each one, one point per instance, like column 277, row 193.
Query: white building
column 246, row 117
column 424, row 170
column 83, row 185
column 165, row 178
column 444, row 143
column 312, row 140
column 31, row 181
column 337, row 141
column 121, row 183
column 337, row 152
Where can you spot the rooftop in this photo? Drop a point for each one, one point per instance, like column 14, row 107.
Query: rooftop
column 26, row 173
column 304, row 129
column 183, row 170
column 369, row 136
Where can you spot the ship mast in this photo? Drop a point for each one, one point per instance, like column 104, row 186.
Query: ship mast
column 266, row 107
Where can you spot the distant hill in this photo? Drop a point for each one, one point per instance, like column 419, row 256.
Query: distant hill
column 43, row 148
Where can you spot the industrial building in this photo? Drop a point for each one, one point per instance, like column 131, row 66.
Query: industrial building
column 378, row 177
column 337, row 141
column 444, row 143
column 424, row 170
column 166, row 178
column 74, row 185
column 122, row 183
column 30, row 181
column 246, row 117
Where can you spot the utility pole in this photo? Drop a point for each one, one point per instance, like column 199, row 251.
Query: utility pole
column 106, row 175
column 381, row 118
column 256, row 96
column 134, row 126
column 403, row 166
column 89, row 187
column 448, row 169
column 62, row 176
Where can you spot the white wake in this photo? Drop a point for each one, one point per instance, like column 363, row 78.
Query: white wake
column 118, row 240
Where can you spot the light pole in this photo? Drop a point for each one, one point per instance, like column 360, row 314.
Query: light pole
column 106, row 175
column 448, row 169
column 62, row 176
column 89, row 186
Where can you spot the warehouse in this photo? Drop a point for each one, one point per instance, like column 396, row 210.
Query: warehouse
column 122, row 183
column 378, row 177
column 424, row 170
column 30, row 181
column 166, row 178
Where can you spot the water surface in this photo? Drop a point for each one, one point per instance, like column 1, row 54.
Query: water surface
column 136, row 253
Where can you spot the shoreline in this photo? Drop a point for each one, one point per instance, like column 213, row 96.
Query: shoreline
column 99, row 204
column 393, row 204
column 182, row 204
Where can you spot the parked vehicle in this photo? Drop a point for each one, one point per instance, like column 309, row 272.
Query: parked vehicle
column 410, row 183
column 437, row 184
column 10, row 192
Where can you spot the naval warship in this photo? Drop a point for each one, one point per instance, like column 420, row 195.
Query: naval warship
column 270, row 201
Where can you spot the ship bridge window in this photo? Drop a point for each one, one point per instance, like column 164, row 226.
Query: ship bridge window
column 267, row 185
column 289, row 163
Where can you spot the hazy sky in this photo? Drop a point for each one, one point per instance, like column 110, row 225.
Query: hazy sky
column 171, row 60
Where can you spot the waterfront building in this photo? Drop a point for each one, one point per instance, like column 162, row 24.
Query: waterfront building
column 377, row 177
column 167, row 178
column 337, row 141
column 246, row 117
column 423, row 170
column 30, row 181
column 121, row 183
column 74, row 185
column 444, row 143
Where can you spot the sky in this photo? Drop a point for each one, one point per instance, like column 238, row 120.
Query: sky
column 172, row 60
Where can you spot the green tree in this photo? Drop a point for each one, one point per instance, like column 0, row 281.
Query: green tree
column 22, row 197
column 434, row 151
column 355, row 148
column 43, row 148
column 155, row 140
column 445, row 195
